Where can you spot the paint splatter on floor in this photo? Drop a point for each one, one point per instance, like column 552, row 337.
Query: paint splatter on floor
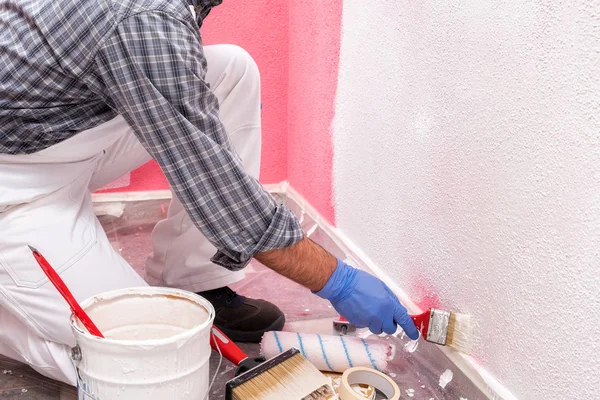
column 411, row 346
column 445, row 378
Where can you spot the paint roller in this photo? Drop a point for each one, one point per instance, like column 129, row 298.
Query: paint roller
column 330, row 353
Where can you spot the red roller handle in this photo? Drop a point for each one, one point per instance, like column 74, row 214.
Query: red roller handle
column 230, row 350
column 62, row 288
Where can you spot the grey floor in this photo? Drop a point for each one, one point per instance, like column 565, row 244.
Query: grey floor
column 129, row 226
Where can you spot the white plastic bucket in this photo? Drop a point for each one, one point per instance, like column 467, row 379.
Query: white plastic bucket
column 156, row 345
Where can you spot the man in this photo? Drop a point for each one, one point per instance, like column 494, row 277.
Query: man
column 89, row 90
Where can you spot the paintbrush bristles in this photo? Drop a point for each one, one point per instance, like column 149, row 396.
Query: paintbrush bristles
column 460, row 330
column 294, row 379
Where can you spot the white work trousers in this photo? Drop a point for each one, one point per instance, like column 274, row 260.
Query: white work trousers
column 45, row 202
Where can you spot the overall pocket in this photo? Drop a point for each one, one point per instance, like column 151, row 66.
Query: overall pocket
column 61, row 225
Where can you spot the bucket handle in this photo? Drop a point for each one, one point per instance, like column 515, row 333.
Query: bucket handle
column 76, row 357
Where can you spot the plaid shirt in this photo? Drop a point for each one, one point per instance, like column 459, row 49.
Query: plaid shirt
column 70, row 65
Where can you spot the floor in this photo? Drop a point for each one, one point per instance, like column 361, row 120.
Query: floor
column 129, row 225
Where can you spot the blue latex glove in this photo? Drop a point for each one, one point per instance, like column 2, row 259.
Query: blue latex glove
column 365, row 300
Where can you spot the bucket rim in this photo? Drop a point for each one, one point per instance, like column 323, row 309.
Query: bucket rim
column 146, row 290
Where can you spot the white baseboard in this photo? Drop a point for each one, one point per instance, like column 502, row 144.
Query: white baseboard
column 131, row 196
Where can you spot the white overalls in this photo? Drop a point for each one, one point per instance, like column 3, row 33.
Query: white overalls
column 45, row 201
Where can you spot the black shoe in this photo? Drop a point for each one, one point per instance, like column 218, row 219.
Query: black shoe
column 241, row 318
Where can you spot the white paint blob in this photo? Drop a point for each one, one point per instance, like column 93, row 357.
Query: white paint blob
column 156, row 345
column 445, row 378
column 365, row 334
column 312, row 230
column 411, row 346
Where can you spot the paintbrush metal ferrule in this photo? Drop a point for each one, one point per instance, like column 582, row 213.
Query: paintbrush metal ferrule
column 438, row 326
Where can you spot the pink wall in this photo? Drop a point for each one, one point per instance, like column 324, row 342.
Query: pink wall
column 260, row 27
column 314, row 43
column 147, row 177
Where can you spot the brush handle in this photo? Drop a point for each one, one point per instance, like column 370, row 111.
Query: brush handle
column 230, row 350
column 422, row 322
column 60, row 285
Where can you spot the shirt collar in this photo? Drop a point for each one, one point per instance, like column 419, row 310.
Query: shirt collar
column 202, row 8
column 204, row 3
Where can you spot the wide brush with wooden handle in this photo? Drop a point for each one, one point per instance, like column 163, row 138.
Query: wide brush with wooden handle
column 445, row 328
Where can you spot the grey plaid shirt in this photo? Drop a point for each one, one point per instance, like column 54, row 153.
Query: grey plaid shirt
column 70, row 65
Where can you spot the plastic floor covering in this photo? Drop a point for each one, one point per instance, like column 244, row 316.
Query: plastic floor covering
column 129, row 226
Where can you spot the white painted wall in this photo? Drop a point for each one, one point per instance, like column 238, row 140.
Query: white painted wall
column 467, row 165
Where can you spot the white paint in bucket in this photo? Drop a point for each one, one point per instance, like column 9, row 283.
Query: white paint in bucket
column 156, row 345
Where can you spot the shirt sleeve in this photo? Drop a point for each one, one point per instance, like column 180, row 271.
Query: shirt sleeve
column 151, row 70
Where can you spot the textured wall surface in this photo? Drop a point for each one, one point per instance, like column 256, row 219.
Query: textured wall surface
column 467, row 164
column 313, row 71
column 261, row 27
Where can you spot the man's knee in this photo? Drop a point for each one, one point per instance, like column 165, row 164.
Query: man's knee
column 242, row 67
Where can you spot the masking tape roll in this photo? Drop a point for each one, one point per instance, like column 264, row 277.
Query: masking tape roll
column 370, row 377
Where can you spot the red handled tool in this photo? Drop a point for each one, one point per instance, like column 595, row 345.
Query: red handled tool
column 445, row 328
column 422, row 322
column 60, row 285
column 342, row 326
column 232, row 352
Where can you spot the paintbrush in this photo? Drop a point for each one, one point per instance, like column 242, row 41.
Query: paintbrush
column 287, row 376
column 445, row 328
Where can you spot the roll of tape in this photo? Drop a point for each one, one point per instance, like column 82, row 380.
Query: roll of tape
column 368, row 392
column 368, row 376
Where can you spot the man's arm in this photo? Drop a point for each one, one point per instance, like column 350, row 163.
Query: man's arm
column 305, row 262
column 360, row 297
column 151, row 70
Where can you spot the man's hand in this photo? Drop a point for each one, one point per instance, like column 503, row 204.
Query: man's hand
column 361, row 298
column 366, row 301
